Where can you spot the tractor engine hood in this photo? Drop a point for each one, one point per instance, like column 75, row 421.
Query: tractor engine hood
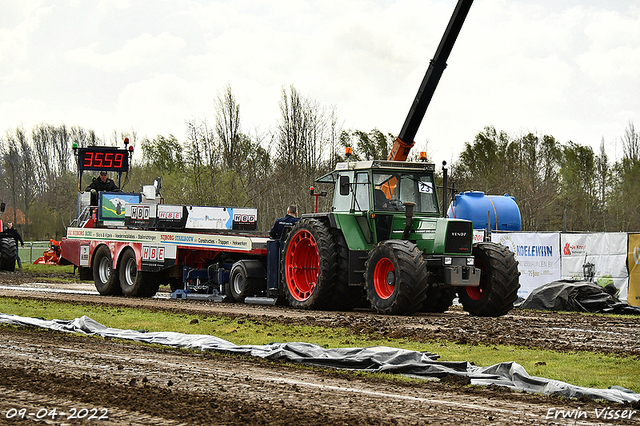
column 435, row 234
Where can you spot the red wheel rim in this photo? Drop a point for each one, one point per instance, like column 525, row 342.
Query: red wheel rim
column 302, row 265
column 384, row 278
column 476, row 293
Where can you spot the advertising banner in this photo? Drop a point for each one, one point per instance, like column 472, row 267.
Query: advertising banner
column 221, row 218
column 633, row 261
column 538, row 256
column 599, row 257
column 113, row 204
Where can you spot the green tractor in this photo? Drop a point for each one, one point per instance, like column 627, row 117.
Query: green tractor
column 385, row 241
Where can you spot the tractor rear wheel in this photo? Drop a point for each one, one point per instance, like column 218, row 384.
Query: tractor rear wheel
column 499, row 282
column 396, row 277
column 309, row 265
column 104, row 276
column 8, row 250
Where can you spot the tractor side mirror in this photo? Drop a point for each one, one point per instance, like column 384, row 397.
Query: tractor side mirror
column 344, row 185
column 2, row 207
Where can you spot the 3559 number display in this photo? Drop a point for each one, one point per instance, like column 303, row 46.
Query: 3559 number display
column 100, row 159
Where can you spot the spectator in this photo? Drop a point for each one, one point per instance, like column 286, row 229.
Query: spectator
column 289, row 219
column 11, row 231
column 102, row 183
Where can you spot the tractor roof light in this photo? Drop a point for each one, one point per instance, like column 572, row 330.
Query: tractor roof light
column 131, row 149
column 348, row 151
column 126, row 142
column 423, row 156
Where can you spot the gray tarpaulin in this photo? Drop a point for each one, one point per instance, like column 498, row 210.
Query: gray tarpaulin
column 371, row 359
column 581, row 296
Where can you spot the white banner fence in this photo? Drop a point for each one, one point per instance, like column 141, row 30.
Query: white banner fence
column 547, row 257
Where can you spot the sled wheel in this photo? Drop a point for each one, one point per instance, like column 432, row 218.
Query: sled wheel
column 239, row 285
column 133, row 282
column 396, row 277
column 499, row 282
column 309, row 265
column 8, row 250
column 175, row 284
column 104, row 276
column 438, row 299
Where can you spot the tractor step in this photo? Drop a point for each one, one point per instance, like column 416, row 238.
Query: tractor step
column 182, row 294
column 261, row 300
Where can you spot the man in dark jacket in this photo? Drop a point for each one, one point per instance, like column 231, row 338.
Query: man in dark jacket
column 289, row 219
column 102, row 183
column 12, row 232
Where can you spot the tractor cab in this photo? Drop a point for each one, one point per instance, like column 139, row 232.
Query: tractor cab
column 390, row 200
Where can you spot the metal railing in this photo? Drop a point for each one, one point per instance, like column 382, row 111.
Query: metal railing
column 32, row 250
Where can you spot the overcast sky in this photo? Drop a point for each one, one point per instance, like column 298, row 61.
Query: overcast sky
column 566, row 68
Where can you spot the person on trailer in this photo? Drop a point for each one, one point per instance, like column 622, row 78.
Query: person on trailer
column 102, row 183
column 13, row 232
column 289, row 219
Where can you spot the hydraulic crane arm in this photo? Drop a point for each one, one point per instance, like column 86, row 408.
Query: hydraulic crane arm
column 404, row 141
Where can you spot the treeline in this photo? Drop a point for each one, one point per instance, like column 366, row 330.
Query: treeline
column 557, row 186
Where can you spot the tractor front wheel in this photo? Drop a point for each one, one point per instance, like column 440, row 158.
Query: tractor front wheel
column 309, row 265
column 499, row 282
column 396, row 277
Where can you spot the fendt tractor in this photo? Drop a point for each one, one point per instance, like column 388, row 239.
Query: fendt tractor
column 385, row 241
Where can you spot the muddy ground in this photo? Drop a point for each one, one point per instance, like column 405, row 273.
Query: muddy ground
column 138, row 384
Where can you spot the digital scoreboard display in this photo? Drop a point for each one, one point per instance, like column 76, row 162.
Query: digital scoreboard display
column 108, row 159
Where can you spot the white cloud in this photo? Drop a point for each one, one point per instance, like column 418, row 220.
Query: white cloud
column 18, row 76
column 564, row 68
column 144, row 51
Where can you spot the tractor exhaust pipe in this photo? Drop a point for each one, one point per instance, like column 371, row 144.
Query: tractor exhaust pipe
column 408, row 212
column 445, row 189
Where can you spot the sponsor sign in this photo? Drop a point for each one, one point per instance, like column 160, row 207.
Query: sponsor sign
column 175, row 239
column 113, row 205
column 538, row 257
column 633, row 262
column 84, row 255
column 208, row 218
column 478, row 235
column 221, row 218
column 599, row 256
column 169, row 212
column 140, row 215
column 246, row 219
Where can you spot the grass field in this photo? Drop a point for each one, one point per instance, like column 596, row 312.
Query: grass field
column 587, row 369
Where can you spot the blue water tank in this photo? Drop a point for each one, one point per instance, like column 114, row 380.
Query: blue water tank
column 501, row 210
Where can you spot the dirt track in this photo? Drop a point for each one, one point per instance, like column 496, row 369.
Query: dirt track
column 138, row 384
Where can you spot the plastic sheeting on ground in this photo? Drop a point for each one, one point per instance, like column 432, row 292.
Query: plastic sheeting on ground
column 372, row 359
column 581, row 296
